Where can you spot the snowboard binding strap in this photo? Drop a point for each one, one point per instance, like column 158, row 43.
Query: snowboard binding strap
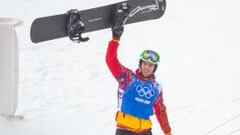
column 75, row 26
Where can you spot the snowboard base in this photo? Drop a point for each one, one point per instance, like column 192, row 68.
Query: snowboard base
column 54, row 27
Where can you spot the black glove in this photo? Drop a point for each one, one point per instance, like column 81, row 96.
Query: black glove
column 119, row 17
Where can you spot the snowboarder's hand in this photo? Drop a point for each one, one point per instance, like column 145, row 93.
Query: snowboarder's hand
column 119, row 17
column 117, row 33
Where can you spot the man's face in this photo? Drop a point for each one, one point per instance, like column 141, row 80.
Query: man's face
column 147, row 68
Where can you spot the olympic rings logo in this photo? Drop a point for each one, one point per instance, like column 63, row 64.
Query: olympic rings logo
column 145, row 92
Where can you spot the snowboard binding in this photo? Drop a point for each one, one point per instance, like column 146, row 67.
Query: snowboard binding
column 75, row 26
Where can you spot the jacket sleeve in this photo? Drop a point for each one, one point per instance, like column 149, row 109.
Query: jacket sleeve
column 161, row 114
column 121, row 73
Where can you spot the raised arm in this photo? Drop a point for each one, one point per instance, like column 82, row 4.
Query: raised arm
column 119, row 17
column 112, row 59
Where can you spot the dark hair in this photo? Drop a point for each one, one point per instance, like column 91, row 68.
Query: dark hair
column 140, row 63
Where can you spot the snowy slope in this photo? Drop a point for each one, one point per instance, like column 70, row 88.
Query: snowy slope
column 66, row 88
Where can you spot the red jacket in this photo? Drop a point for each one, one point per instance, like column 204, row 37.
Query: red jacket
column 120, row 72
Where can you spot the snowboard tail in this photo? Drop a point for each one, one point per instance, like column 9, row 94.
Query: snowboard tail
column 54, row 27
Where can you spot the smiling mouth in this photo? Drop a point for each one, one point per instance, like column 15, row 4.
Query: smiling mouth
column 146, row 71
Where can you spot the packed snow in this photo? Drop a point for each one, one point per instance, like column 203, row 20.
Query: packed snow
column 66, row 88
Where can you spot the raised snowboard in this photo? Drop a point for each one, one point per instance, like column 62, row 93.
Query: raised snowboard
column 54, row 27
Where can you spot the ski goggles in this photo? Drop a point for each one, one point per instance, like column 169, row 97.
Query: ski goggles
column 150, row 56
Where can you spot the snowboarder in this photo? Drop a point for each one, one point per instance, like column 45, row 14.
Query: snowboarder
column 139, row 95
